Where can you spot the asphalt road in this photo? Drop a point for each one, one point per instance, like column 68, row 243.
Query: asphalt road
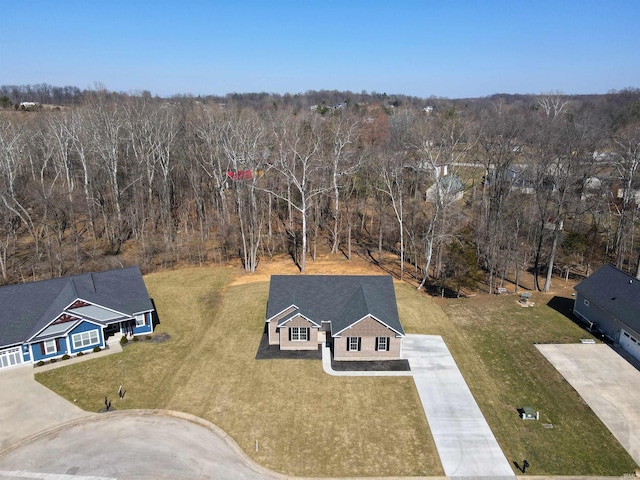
column 40, row 432
column 134, row 445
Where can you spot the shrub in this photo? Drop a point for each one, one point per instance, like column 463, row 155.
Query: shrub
column 96, row 349
column 136, row 339
column 148, row 337
column 65, row 357
column 79, row 354
column 40, row 363
column 124, row 340
column 53, row 360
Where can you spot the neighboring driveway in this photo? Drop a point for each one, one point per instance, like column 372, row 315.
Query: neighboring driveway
column 27, row 408
column 465, row 443
column 607, row 382
column 134, row 445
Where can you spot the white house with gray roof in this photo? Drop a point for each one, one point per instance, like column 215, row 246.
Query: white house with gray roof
column 68, row 315
column 356, row 314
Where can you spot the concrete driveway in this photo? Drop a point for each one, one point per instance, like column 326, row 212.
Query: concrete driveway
column 607, row 382
column 465, row 443
column 28, row 408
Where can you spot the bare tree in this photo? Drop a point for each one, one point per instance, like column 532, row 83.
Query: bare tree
column 296, row 157
column 626, row 147
column 500, row 145
column 392, row 176
column 205, row 145
column 564, row 160
column 107, row 122
column 553, row 104
column 343, row 164
column 442, row 144
column 243, row 140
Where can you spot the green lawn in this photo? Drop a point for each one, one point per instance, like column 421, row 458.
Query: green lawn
column 308, row 423
column 492, row 340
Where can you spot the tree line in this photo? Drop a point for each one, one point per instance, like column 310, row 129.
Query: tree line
column 451, row 193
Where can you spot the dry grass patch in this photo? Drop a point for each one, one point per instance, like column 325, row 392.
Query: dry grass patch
column 325, row 264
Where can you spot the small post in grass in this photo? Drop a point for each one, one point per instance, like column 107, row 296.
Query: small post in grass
column 525, row 464
column 256, row 445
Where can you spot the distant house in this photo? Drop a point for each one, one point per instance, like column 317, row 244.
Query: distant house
column 448, row 189
column 65, row 316
column 356, row 315
column 609, row 301
column 29, row 106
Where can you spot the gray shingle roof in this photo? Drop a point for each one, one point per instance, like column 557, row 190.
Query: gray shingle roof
column 615, row 292
column 27, row 308
column 339, row 299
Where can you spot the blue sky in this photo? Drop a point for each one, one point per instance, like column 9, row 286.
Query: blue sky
column 444, row 48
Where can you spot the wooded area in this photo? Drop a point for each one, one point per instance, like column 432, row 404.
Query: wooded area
column 462, row 192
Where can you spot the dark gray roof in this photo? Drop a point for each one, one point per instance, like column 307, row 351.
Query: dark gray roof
column 27, row 308
column 615, row 292
column 339, row 299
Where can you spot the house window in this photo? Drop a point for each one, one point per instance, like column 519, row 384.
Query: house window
column 141, row 320
column 84, row 339
column 353, row 344
column 382, row 344
column 299, row 334
column 586, row 302
column 50, row 347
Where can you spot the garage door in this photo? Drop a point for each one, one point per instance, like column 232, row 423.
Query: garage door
column 630, row 343
column 10, row 357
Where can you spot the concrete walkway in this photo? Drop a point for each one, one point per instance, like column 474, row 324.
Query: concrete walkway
column 465, row 443
column 326, row 365
column 607, row 382
column 112, row 348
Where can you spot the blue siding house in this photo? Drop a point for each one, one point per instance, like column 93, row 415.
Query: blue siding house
column 68, row 315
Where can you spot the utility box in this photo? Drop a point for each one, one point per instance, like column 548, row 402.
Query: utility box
column 528, row 413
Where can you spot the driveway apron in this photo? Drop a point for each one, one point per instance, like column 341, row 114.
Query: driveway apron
column 27, row 407
column 465, row 443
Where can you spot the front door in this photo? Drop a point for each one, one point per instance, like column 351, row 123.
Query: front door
column 111, row 330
